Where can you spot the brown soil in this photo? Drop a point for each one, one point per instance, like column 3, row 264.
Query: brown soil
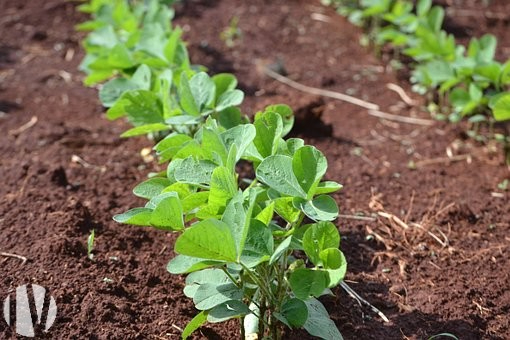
column 51, row 199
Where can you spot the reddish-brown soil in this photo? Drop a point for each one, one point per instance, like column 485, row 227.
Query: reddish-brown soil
column 68, row 173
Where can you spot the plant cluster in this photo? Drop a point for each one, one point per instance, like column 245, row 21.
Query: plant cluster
column 258, row 247
column 469, row 79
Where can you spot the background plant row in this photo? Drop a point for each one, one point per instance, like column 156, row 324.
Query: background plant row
column 242, row 239
column 469, row 79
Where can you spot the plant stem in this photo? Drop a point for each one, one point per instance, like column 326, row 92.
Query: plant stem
column 234, row 281
column 265, row 291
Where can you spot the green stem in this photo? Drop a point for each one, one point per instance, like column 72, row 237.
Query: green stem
column 258, row 282
column 234, row 281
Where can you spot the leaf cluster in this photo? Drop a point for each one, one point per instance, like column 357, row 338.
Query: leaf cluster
column 146, row 71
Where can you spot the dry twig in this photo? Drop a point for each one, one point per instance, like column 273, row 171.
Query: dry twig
column 19, row 257
column 401, row 119
column 22, row 128
column 360, row 300
column 320, row 92
column 403, row 95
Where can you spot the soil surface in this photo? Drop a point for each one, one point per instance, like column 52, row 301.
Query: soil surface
column 425, row 227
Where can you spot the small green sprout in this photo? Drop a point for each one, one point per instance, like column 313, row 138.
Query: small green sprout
column 90, row 244
column 231, row 34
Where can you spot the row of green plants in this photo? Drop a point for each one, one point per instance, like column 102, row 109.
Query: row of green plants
column 256, row 241
column 462, row 81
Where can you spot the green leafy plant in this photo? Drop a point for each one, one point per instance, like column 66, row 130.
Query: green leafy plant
column 261, row 249
column 468, row 81
column 247, row 250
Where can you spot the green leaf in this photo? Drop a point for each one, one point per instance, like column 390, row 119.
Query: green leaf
column 197, row 94
column 230, row 117
column 259, row 244
column 224, row 82
column 209, row 239
column 266, row 215
column 199, row 278
column 459, row 98
column 295, row 312
column 168, row 214
column 182, row 264
column 228, row 310
column 195, row 200
column 194, row 324
column 141, row 107
column 309, row 165
column 439, row 71
column 210, row 295
column 286, row 114
column 293, row 144
column 229, row 99
column 152, row 42
column 168, row 147
column 223, row 188
column 501, row 108
column 195, row 172
column 331, row 258
column 269, row 128
column 235, row 217
column 104, row 36
column 241, row 136
column 488, row 44
column 489, row 72
column 306, row 282
column 213, row 146
column 281, row 249
column 320, row 236
column 319, row 323
column 321, row 208
column 327, row 187
column 145, row 129
column 183, row 119
column 285, row 209
column 120, row 57
column 187, row 100
column 435, row 18
column 475, row 93
column 423, row 6
column 136, row 216
column 276, row 172
column 90, row 244
column 151, row 187
column 172, row 45
column 337, row 275
column 111, row 91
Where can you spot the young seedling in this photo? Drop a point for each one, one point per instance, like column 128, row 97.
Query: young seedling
column 90, row 244
column 248, row 252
